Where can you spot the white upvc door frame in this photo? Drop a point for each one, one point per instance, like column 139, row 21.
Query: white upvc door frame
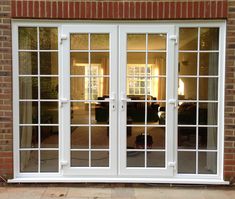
column 168, row 170
column 67, row 170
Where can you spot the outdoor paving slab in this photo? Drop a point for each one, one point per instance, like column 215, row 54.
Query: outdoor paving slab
column 55, row 192
column 89, row 192
column 122, row 192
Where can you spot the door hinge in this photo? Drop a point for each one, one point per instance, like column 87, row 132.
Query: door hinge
column 63, row 163
column 171, row 164
column 174, row 38
column 63, row 37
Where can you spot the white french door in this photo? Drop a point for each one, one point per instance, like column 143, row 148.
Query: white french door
column 117, row 119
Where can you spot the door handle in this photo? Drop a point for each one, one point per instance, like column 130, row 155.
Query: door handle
column 63, row 101
column 174, row 102
column 112, row 100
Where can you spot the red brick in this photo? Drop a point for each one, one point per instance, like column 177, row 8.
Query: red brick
column 213, row 9
column 30, row 7
column 167, row 10
column 149, row 10
column 178, row 10
column 71, row 9
column 196, row 10
column 225, row 9
column 42, row 9
column 126, row 10
column 120, row 9
column 207, row 9
column 93, row 10
column 132, row 10
column 155, row 10
column 19, row 9
column 105, row 10
column 13, row 7
column 25, row 8
column 160, row 10
column 202, row 9
column 36, row 9
column 60, row 10
column 54, row 10
column 184, row 10
column 172, row 10
column 48, row 9
column 77, row 6
column 82, row 9
column 100, row 10
column 110, row 8
column 219, row 9
column 115, row 7
column 65, row 10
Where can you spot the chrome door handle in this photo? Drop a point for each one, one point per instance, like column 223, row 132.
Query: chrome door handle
column 174, row 102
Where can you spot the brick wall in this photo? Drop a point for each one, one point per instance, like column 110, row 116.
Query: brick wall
column 229, row 158
column 5, row 90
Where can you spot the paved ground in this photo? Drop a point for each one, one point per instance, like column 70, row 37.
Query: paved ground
column 115, row 192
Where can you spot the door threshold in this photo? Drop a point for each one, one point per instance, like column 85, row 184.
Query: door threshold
column 118, row 180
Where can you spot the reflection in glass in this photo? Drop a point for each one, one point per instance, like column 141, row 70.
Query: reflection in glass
column 208, row 113
column 188, row 38
column 157, row 135
column 49, row 112
column 28, row 161
column 28, row 63
column 99, row 158
column 100, row 113
column 136, row 113
column 187, row 89
column 156, row 41
column 49, row 161
column 187, row 64
column 99, row 41
column 156, row 64
column 136, row 41
column 155, row 159
column 186, row 138
column 28, row 137
column 186, row 162
column 209, row 38
column 135, row 159
column 79, row 158
column 99, row 137
column 100, row 63
column 48, row 63
column 208, row 88
column 49, row 137
column 28, row 87
column 135, row 138
column 207, row 138
column 27, row 38
column 28, row 112
column 48, row 38
column 79, row 41
column 156, row 89
column 209, row 63
column 136, row 59
column 77, row 88
column 187, row 113
column 79, row 64
column 49, row 87
column 79, row 113
column 99, row 87
column 80, row 137
column 207, row 163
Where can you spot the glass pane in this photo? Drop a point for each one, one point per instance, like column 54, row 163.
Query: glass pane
column 79, row 41
column 207, row 163
column 186, row 162
column 136, row 113
column 209, row 63
column 209, row 39
column 162, row 113
column 49, row 136
column 48, row 63
column 135, row 159
column 99, row 158
column 207, row 138
column 136, row 87
column 155, row 159
column 208, row 113
column 28, row 63
column 187, row 64
column 79, row 88
column 188, row 38
column 136, row 61
column 49, row 113
column 136, row 41
column 99, row 41
column 186, row 138
column 28, row 87
column 100, row 113
column 156, row 137
column 208, row 89
column 79, row 158
column 99, row 137
column 79, row 113
column 135, row 137
column 187, row 88
column 152, row 113
column 27, row 38
column 156, row 64
column 156, row 89
column 157, row 42
column 28, row 137
column 28, row 112
column 49, row 161
column 100, row 63
column 48, row 38
column 49, row 87
column 28, row 161
column 187, row 113
column 79, row 64
column 99, row 87
column 80, row 137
